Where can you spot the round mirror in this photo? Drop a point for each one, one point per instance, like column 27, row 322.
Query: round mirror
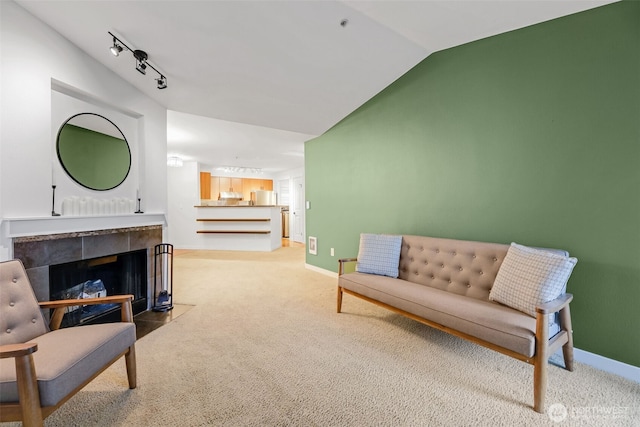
column 93, row 151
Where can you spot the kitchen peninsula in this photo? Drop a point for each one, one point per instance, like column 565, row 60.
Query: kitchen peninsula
column 239, row 228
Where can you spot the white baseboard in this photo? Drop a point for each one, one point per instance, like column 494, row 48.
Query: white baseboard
column 321, row 270
column 612, row 366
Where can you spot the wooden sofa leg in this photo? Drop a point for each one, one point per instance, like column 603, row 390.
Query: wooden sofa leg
column 541, row 360
column 539, row 385
column 567, row 349
column 339, row 308
column 28, row 391
column 130, row 361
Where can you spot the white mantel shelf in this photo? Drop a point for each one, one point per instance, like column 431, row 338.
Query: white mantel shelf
column 36, row 226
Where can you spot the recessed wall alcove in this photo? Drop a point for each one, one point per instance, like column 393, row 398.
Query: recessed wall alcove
column 39, row 252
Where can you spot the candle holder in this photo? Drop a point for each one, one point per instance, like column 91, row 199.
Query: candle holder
column 139, row 211
column 53, row 202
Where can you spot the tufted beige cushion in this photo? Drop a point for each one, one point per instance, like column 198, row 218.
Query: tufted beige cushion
column 21, row 318
column 462, row 267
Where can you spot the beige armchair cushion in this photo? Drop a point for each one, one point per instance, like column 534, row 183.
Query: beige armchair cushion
column 86, row 350
column 21, row 318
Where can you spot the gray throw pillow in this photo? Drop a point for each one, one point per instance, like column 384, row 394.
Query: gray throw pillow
column 379, row 254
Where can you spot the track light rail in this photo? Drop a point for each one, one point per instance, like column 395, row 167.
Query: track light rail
column 142, row 59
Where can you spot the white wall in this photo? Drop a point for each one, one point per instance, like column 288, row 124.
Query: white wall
column 184, row 194
column 33, row 59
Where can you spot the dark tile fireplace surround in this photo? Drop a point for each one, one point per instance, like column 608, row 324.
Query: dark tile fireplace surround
column 37, row 253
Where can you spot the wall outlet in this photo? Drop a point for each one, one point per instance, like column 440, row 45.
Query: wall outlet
column 332, row 252
column 308, row 204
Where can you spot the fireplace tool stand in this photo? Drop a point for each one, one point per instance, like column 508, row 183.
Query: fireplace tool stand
column 163, row 278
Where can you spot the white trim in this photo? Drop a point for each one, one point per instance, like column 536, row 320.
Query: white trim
column 321, row 270
column 612, row 366
column 36, row 226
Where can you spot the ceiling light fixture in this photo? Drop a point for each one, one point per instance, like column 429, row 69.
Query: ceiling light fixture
column 142, row 60
column 240, row 169
column 116, row 48
column 174, row 161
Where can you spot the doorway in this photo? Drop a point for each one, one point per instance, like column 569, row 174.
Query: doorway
column 297, row 215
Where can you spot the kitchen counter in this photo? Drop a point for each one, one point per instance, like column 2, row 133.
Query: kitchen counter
column 241, row 206
column 241, row 228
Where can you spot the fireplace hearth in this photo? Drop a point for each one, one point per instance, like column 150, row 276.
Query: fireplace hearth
column 117, row 274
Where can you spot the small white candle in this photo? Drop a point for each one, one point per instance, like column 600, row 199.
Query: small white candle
column 53, row 175
column 137, row 194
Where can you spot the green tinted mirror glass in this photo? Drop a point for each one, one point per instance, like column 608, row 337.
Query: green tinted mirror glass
column 93, row 151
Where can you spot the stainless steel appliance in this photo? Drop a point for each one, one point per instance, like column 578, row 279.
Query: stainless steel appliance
column 285, row 222
column 230, row 198
column 265, row 198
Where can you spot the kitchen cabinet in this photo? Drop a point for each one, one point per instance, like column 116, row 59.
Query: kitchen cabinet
column 215, row 187
column 225, row 183
column 267, row 184
column 248, row 185
column 205, row 185
column 239, row 185
column 236, row 185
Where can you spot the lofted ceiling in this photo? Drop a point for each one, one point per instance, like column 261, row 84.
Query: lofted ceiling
column 250, row 81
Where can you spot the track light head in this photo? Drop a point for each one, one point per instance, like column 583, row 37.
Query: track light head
column 141, row 66
column 141, row 61
column 162, row 82
column 116, row 48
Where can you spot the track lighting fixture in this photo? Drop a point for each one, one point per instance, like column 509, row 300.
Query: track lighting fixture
column 141, row 57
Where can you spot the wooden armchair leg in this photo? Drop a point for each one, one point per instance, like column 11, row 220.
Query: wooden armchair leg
column 339, row 307
column 567, row 349
column 130, row 361
column 28, row 391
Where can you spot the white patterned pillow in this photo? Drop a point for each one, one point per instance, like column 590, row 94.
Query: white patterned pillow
column 379, row 254
column 529, row 277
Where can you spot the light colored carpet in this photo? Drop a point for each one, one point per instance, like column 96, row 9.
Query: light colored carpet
column 263, row 346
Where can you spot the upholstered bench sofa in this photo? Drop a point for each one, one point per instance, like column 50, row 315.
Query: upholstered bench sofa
column 509, row 298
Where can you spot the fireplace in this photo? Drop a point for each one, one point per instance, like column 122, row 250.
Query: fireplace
column 117, row 274
column 39, row 252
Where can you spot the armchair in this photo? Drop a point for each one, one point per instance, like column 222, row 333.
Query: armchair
column 42, row 366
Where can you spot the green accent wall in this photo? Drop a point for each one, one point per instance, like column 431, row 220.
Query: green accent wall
column 530, row 136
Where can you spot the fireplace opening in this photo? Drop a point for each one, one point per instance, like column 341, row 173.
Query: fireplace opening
column 124, row 273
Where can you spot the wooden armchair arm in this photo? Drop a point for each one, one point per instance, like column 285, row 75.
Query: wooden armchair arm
column 555, row 305
column 113, row 299
column 17, row 350
column 59, row 306
column 342, row 262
